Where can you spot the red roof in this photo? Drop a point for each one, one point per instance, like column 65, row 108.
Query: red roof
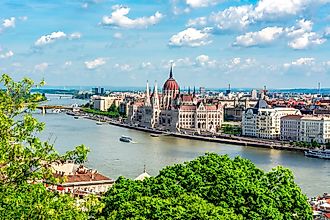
column 187, row 98
column 292, row 117
column 85, row 177
column 211, row 107
column 188, row 107
column 171, row 84
column 327, row 215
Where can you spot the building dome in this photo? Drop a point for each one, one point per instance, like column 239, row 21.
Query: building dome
column 171, row 84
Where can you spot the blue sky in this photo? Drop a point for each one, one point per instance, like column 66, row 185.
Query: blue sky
column 278, row 43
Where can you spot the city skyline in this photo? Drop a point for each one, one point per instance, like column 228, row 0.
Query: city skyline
column 249, row 44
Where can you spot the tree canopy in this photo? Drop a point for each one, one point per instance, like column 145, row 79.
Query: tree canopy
column 209, row 187
column 25, row 159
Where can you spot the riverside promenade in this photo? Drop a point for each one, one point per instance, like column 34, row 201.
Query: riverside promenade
column 234, row 140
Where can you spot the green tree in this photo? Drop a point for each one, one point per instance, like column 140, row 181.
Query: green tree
column 232, row 188
column 113, row 108
column 25, row 159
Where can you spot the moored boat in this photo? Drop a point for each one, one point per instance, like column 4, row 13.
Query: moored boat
column 322, row 154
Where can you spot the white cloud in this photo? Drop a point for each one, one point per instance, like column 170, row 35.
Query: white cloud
column 301, row 62
column 41, row 67
column 232, row 18
column 67, row 64
column 93, row 64
column 236, row 61
column 239, row 17
column 9, row 22
column 75, row 35
column 119, row 18
column 190, row 37
column 84, row 5
column 265, row 36
column 8, row 54
column 123, row 67
column 327, row 32
column 306, row 40
column 280, row 8
column 118, row 35
column 51, row 38
column 197, row 22
column 23, row 18
column 205, row 61
column 201, row 3
column 302, row 36
column 146, row 65
column 299, row 36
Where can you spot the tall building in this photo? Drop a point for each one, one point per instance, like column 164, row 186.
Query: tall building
column 95, row 91
column 172, row 110
column 262, row 121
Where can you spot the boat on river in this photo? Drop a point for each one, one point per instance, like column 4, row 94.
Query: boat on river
column 76, row 117
column 322, row 154
column 126, row 139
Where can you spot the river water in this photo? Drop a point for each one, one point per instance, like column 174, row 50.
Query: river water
column 114, row 158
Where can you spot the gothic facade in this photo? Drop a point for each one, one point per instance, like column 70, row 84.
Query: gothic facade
column 174, row 111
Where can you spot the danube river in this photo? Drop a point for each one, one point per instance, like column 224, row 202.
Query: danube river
column 114, row 158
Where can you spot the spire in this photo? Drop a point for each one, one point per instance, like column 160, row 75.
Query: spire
column 147, row 97
column 155, row 97
column 194, row 91
column 171, row 71
column 189, row 90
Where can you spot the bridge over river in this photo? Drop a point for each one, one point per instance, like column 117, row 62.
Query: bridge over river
column 44, row 108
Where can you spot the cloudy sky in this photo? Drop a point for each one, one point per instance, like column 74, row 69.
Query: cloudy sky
column 248, row 43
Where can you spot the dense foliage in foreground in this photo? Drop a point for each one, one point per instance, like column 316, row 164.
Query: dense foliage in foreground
column 209, row 187
column 25, row 159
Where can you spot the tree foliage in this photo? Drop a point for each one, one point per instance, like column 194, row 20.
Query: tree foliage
column 209, row 187
column 25, row 159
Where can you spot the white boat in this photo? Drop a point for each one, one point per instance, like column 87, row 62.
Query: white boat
column 56, row 111
column 125, row 139
column 99, row 122
column 322, row 154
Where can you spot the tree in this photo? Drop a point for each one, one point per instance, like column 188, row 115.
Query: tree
column 113, row 108
column 25, row 159
column 232, row 188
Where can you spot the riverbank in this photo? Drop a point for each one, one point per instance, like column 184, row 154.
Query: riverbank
column 234, row 140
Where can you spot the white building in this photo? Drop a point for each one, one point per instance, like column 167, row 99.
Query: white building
column 263, row 121
column 103, row 103
column 79, row 180
column 306, row 129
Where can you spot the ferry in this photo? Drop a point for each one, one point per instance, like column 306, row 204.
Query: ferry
column 125, row 139
column 322, row 154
